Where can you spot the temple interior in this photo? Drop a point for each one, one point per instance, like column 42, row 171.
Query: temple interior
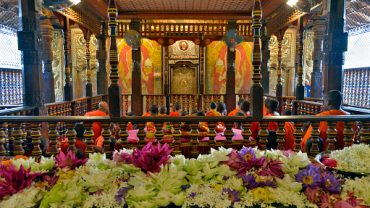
column 291, row 74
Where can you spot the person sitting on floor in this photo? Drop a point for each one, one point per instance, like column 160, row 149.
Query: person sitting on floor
column 79, row 141
column 103, row 110
column 333, row 106
column 150, row 127
column 162, row 111
column 237, row 109
column 289, row 130
column 203, row 129
column 176, row 110
column 213, row 111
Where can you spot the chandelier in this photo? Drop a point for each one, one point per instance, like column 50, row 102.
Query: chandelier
column 59, row 4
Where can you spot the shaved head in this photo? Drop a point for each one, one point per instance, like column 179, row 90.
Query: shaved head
column 334, row 99
column 103, row 106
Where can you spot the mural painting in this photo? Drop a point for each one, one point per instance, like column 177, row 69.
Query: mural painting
column 243, row 67
column 151, row 67
column 125, row 66
column 216, row 65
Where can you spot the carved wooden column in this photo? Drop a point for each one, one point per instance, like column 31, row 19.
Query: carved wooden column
column 46, row 29
column 29, row 44
column 279, row 86
column 101, row 55
column 319, row 28
column 230, row 73
column 136, row 97
column 256, row 89
column 88, row 69
column 202, row 64
column 265, row 58
column 337, row 45
column 299, row 90
column 114, row 91
column 68, row 90
column 166, row 90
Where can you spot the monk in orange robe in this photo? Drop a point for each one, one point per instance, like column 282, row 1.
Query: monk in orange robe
column 237, row 109
column 289, row 130
column 103, row 110
column 150, row 127
column 176, row 110
column 213, row 111
column 333, row 104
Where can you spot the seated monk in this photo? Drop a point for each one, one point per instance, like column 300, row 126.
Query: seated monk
column 237, row 109
column 79, row 141
column 333, row 105
column 103, row 110
column 150, row 127
column 289, row 130
column 213, row 111
column 176, row 110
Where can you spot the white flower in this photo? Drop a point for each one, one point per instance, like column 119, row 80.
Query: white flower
column 29, row 197
column 353, row 159
column 360, row 188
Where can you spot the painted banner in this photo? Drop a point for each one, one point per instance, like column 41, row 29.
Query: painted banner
column 243, row 67
column 216, row 65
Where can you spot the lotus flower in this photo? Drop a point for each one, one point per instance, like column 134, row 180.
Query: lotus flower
column 309, row 177
column 331, row 183
column 14, row 180
column 151, row 157
column 69, row 161
column 122, row 157
column 272, row 168
column 351, row 202
column 250, row 182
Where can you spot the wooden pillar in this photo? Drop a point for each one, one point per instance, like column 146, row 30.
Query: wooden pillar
column 28, row 43
column 299, row 90
column 256, row 89
column 101, row 55
column 114, row 91
column 88, row 69
column 202, row 69
column 230, row 73
column 46, row 29
column 68, row 90
column 279, row 86
column 337, row 45
column 319, row 28
column 265, row 58
column 136, row 97
column 166, row 80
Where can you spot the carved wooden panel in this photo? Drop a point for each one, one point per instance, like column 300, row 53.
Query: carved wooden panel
column 184, row 80
column 273, row 63
column 78, row 51
column 308, row 47
column 183, row 49
column 288, row 61
column 93, row 63
column 58, row 64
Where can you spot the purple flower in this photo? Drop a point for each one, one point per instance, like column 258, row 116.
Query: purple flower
column 151, row 157
column 235, row 161
column 232, row 195
column 250, row 182
column 121, row 194
column 330, row 183
column 69, row 160
column 248, row 154
column 13, row 180
column 184, row 187
column 309, row 177
column 192, row 195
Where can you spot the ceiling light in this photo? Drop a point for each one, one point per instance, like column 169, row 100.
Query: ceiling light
column 75, row 1
column 292, row 2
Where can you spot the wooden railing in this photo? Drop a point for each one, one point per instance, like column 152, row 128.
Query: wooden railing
column 14, row 128
column 11, row 87
column 18, row 111
column 150, row 29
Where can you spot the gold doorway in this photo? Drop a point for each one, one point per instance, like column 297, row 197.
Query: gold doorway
column 184, row 79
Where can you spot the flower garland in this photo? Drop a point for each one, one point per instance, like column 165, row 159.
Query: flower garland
column 150, row 177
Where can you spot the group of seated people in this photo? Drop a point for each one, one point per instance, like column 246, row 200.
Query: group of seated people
column 333, row 102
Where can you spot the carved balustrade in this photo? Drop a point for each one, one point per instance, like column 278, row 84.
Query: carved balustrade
column 207, row 99
column 303, row 107
column 148, row 100
column 217, row 29
column 186, row 137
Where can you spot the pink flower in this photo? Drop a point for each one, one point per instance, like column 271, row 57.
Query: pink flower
column 329, row 162
column 235, row 161
column 151, row 157
column 271, row 168
column 122, row 157
column 13, row 180
column 351, row 202
column 69, row 161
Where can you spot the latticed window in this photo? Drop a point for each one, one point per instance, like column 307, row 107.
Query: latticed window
column 10, row 68
column 356, row 88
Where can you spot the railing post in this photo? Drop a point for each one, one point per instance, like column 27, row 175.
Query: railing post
column 71, row 134
column 265, row 58
column 107, row 139
column 263, row 134
column 123, row 134
column 114, row 91
column 365, row 132
column 279, row 86
column 315, row 133
column 18, row 136
column 194, row 140
column 348, row 133
column 246, row 133
column 136, row 97
column 68, row 90
column 10, row 141
column 298, row 134
column 36, row 139
column 331, row 132
column 256, row 89
column 88, row 138
column 177, row 134
column 280, row 133
column 53, row 134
